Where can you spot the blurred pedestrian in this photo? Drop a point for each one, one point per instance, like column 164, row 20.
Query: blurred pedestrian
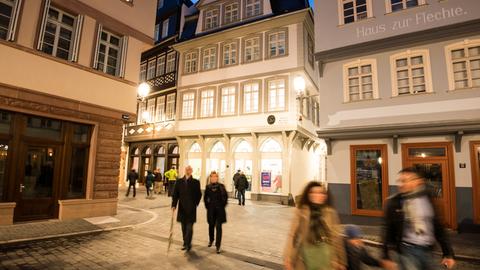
column 171, row 177
column 413, row 226
column 132, row 178
column 357, row 254
column 187, row 196
column 215, row 199
column 242, row 186
column 236, row 176
column 158, row 184
column 150, row 179
column 315, row 241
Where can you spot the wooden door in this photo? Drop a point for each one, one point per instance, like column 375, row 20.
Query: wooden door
column 475, row 159
column 435, row 161
column 37, row 182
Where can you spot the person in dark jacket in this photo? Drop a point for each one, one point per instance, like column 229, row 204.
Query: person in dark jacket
column 215, row 199
column 132, row 178
column 187, row 195
column 412, row 225
column 241, row 186
column 149, row 183
column 357, row 254
column 236, row 176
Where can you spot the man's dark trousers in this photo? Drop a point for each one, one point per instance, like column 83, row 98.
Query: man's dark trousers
column 134, row 189
column 241, row 196
column 187, row 232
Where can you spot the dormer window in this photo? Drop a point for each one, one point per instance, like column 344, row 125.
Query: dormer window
column 253, row 8
column 231, row 12
column 211, row 19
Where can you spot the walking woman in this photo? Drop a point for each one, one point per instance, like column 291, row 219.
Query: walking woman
column 314, row 242
column 215, row 199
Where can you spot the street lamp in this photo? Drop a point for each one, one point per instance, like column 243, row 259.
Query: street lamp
column 299, row 85
column 143, row 90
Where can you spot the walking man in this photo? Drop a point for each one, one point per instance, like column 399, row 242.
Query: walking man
column 236, row 176
column 132, row 178
column 171, row 177
column 187, row 196
column 242, row 185
column 413, row 225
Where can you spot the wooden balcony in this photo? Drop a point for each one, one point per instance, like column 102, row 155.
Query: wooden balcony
column 149, row 131
column 167, row 80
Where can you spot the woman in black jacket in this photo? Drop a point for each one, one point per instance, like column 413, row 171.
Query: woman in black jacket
column 215, row 199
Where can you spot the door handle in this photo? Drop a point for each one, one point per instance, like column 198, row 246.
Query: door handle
column 22, row 187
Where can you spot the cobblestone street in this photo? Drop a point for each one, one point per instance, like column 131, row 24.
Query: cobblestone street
column 253, row 239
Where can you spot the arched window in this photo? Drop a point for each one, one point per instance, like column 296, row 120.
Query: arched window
column 218, row 147
column 243, row 147
column 147, row 150
column 173, row 150
column 135, row 152
column 271, row 146
column 160, row 150
column 195, row 148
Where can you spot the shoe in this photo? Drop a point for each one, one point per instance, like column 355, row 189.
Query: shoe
column 184, row 248
column 218, row 250
column 210, row 243
column 189, row 248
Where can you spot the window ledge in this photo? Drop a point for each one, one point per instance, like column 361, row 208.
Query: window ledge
column 411, row 95
column 369, row 19
column 361, row 100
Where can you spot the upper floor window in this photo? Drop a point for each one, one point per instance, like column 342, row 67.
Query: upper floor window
column 209, row 58
column 463, row 62
column 165, row 28
column 253, row 8
column 160, row 3
column 171, row 57
column 252, row 49
column 211, row 19
column 228, row 100
column 276, row 95
column 151, row 69
column 229, row 53
column 354, row 10
column 9, row 13
column 310, row 50
column 170, row 111
column 231, row 12
column 157, row 32
column 277, row 43
column 150, row 117
column 411, row 73
column 188, row 105
column 160, row 111
column 251, row 97
column 110, row 53
column 360, row 80
column 207, row 103
column 161, row 65
column 397, row 5
column 60, row 33
column 190, row 62
column 143, row 72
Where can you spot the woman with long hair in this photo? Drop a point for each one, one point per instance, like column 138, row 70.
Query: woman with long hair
column 315, row 241
column 215, row 199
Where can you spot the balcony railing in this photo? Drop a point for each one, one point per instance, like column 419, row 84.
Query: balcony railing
column 149, row 130
column 164, row 81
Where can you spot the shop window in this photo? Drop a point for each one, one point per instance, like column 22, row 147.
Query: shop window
column 218, row 147
column 369, row 179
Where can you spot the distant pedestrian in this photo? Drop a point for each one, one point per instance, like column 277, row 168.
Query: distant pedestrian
column 215, row 198
column 158, row 183
column 150, row 179
column 357, row 253
column 242, row 186
column 315, row 241
column 171, row 176
column 187, row 196
column 236, row 176
column 132, row 178
column 413, row 226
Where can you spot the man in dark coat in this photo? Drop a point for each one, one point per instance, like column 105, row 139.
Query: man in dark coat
column 241, row 186
column 187, row 195
column 132, row 178
column 236, row 176
column 412, row 225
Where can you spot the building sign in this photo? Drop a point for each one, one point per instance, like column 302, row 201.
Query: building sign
column 266, row 179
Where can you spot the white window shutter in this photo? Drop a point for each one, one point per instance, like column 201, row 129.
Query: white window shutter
column 43, row 24
column 123, row 55
column 76, row 38
column 97, row 46
column 14, row 20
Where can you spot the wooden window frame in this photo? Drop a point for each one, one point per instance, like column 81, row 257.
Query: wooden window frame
column 244, row 48
column 168, row 61
column 242, row 96
column 224, row 12
column 475, row 184
column 465, row 44
column 267, row 43
column 246, row 16
column 341, row 16
column 161, row 62
column 152, row 61
column 220, row 100
column 160, row 114
column 353, row 183
column 427, row 71
column 266, row 93
column 388, row 5
column 358, row 64
column 182, row 116
column 184, row 62
column 204, row 18
column 222, row 51
column 11, row 30
column 168, row 116
column 202, row 60
column 143, row 71
column 214, row 100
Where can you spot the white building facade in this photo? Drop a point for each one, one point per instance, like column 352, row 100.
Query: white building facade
column 237, row 105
